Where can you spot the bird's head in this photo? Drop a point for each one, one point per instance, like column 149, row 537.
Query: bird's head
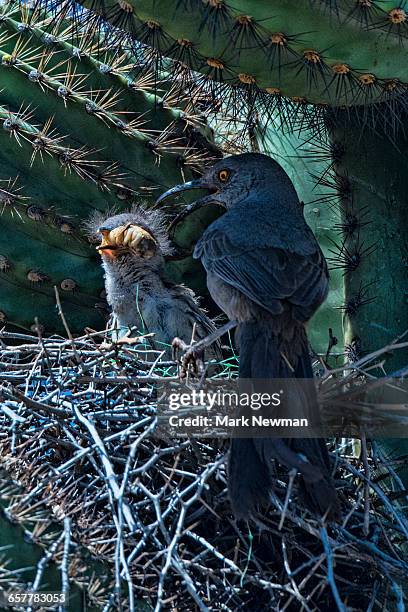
column 137, row 236
column 235, row 179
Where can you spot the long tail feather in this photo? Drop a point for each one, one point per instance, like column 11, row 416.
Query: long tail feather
column 251, row 465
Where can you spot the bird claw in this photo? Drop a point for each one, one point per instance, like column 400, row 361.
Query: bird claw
column 192, row 361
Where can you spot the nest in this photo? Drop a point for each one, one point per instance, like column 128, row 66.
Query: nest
column 135, row 519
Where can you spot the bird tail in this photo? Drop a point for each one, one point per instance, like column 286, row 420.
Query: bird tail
column 251, row 463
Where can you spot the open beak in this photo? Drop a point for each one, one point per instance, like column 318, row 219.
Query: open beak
column 124, row 237
column 196, row 184
column 106, row 247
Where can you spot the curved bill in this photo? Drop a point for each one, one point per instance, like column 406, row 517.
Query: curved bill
column 189, row 209
column 196, row 184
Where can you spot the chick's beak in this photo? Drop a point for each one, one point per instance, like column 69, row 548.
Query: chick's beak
column 126, row 237
column 106, row 247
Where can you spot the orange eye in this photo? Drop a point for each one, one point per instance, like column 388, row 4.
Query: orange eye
column 223, row 175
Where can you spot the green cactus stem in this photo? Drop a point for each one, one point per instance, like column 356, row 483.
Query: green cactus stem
column 75, row 135
column 372, row 183
column 372, row 187
column 345, row 53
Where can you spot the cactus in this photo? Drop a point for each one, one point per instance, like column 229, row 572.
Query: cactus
column 77, row 135
column 82, row 94
column 284, row 58
column 299, row 61
column 371, row 184
column 372, row 252
column 344, row 52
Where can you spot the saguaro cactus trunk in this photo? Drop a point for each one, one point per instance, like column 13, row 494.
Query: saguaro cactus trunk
column 372, row 183
column 77, row 134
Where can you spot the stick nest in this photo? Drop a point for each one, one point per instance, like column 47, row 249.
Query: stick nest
column 95, row 488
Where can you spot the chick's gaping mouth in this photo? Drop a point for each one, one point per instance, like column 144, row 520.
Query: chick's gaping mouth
column 126, row 238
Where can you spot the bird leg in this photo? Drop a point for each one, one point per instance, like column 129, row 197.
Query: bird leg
column 191, row 357
column 193, row 353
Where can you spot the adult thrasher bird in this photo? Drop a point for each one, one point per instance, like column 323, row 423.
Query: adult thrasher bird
column 133, row 246
column 266, row 271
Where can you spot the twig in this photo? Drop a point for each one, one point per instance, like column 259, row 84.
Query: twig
column 65, row 324
column 330, row 573
column 65, row 562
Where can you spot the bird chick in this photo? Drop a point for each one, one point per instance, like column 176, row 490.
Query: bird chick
column 133, row 246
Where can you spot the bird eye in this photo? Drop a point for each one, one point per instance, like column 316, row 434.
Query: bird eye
column 223, row 175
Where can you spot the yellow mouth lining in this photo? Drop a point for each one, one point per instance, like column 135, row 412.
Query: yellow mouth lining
column 124, row 236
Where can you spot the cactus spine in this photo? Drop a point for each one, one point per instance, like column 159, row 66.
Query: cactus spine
column 339, row 53
column 78, row 134
column 372, row 252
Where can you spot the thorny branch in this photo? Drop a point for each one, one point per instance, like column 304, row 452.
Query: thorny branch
column 77, row 435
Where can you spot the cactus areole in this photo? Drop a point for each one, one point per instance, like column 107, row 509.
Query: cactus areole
column 347, row 52
column 77, row 135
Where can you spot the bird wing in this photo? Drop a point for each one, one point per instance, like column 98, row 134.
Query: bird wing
column 265, row 273
column 194, row 317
